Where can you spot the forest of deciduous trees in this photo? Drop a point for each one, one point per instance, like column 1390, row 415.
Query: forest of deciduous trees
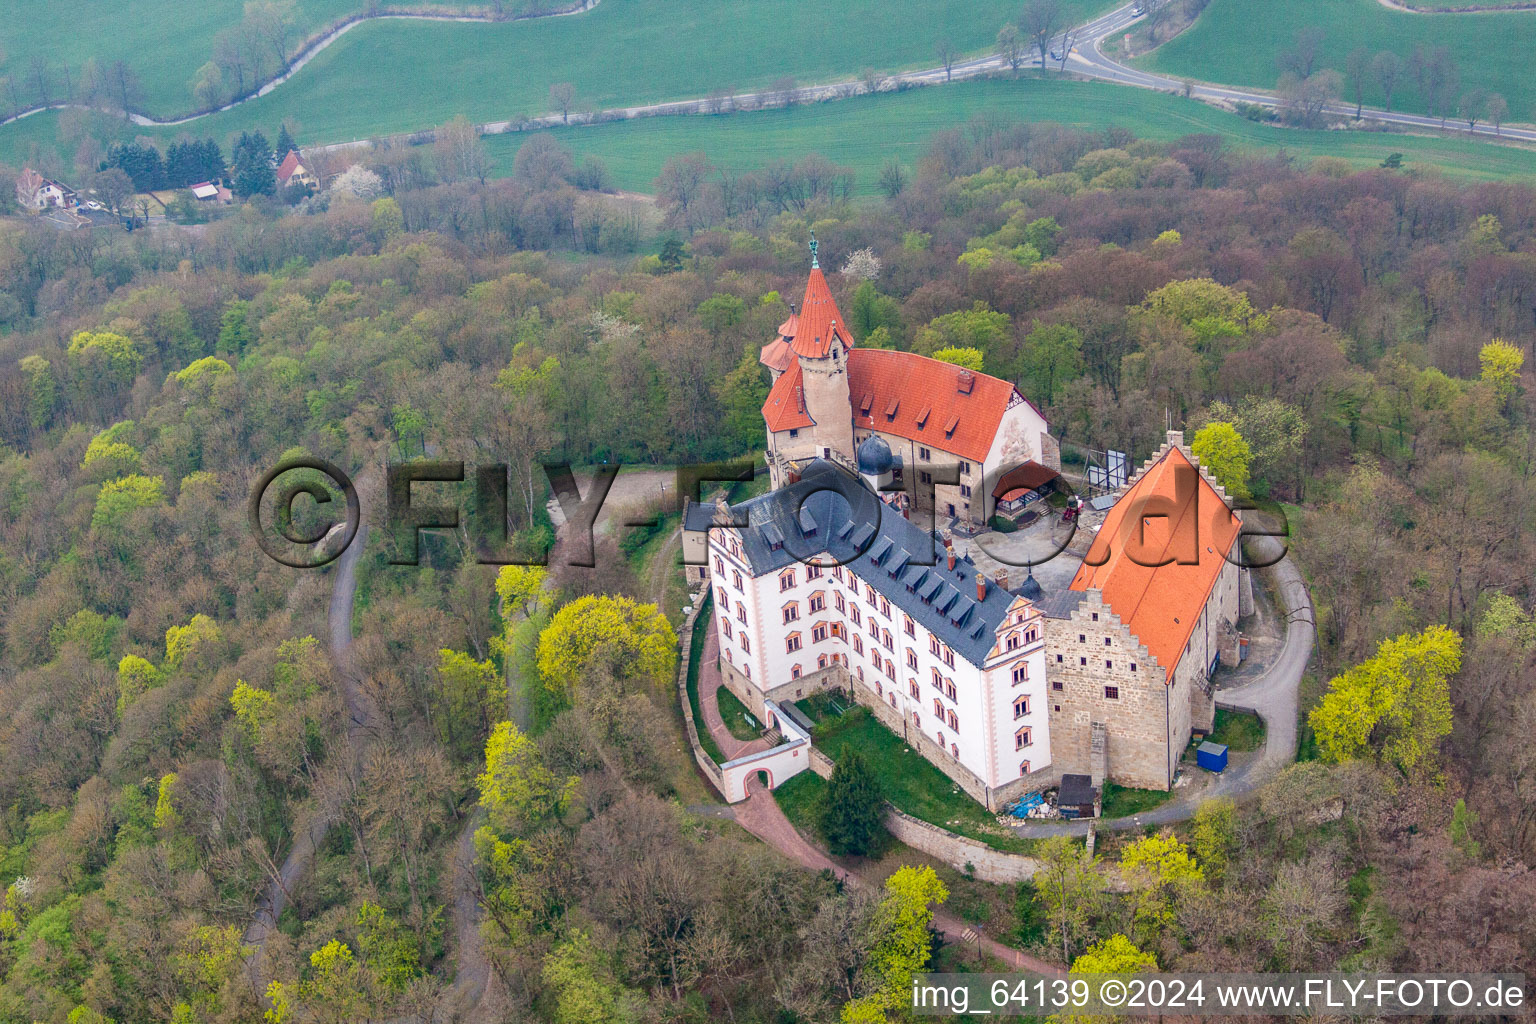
column 170, row 723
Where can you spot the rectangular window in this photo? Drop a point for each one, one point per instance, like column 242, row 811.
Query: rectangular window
column 965, row 468
column 909, row 625
column 1020, row 674
column 818, row 602
column 792, row 643
column 1082, row 662
column 736, row 579
column 794, row 672
column 818, row 634
column 858, row 645
column 786, row 581
column 837, row 599
column 1108, row 663
column 965, row 490
column 1056, row 685
column 911, row 658
column 746, row 645
column 926, row 478
column 925, row 455
column 1111, row 693
column 791, row 612
column 813, row 572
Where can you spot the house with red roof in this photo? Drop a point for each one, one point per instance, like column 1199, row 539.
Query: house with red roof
column 944, row 433
column 293, row 172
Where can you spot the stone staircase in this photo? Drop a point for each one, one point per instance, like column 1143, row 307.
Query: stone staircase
column 1098, row 754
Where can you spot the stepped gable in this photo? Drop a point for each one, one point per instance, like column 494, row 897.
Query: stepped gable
column 830, row 514
column 927, row 400
column 1160, row 604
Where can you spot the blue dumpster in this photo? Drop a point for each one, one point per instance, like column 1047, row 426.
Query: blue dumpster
column 1211, row 756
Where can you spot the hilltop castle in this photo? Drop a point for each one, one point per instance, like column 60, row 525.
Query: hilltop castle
column 827, row 581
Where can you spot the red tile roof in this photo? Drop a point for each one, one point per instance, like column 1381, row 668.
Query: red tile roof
column 932, row 402
column 288, row 166
column 777, row 355
column 818, row 320
column 785, row 407
column 1027, row 477
column 1167, row 515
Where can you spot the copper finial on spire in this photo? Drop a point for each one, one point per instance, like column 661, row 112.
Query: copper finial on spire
column 814, row 264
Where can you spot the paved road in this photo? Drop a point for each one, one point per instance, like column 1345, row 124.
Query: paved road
column 1272, row 695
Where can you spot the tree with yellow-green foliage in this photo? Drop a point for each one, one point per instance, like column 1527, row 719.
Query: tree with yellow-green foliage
column 970, row 358
column 1225, row 455
column 103, row 361
column 120, row 498
column 1159, row 872
column 191, row 645
column 1208, row 309
column 1212, row 834
column 109, row 454
column 166, row 815
column 136, row 676
column 1501, row 363
column 902, row 946
column 473, row 692
column 518, row 587
column 42, row 390
column 632, row 641
column 582, row 979
column 517, row 788
column 1394, row 707
column 1115, row 955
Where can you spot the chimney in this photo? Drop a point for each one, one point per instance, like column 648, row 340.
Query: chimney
column 949, row 552
column 981, row 586
column 1176, row 438
column 1002, row 579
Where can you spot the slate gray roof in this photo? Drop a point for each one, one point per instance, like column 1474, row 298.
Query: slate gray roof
column 698, row 515
column 1060, row 604
column 901, row 561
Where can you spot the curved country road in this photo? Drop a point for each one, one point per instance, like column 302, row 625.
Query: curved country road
column 1272, row 696
column 308, row 51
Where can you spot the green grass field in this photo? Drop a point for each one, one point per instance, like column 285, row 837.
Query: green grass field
column 865, row 131
column 911, row 782
column 393, row 76
column 1236, row 42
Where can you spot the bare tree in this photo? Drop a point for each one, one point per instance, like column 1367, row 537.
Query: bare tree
column 124, row 85
column 1304, row 100
column 1010, row 47
column 1042, row 20
column 459, row 153
column 1155, row 13
column 1497, row 109
column 947, row 53
column 720, row 99
column 1301, row 59
column 229, row 54
column 272, row 22
column 1357, row 66
column 562, row 96
column 1387, row 69
column 41, row 78
column 69, row 81
column 872, row 80
column 1442, row 81
column 783, row 90
column 1068, row 40
column 113, row 188
column 1472, row 106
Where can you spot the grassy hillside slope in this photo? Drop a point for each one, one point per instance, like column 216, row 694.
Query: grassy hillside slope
column 1236, row 42
column 393, row 75
column 865, row 131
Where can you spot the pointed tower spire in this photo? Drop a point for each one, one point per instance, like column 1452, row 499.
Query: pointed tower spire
column 814, row 264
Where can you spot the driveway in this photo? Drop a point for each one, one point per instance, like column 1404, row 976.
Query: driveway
column 1271, row 694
